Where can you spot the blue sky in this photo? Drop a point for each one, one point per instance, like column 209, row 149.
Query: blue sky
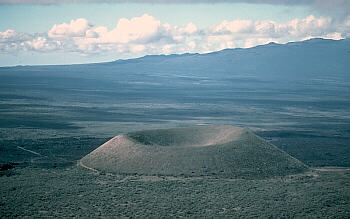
column 40, row 18
column 62, row 33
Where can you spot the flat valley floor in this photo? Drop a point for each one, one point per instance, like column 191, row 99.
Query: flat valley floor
column 78, row 192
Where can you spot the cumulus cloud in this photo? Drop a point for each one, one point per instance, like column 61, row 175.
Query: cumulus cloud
column 296, row 28
column 135, row 35
column 10, row 40
column 147, row 35
column 247, row 33
column 76, row 28
column 10, row 36
column 139, row 29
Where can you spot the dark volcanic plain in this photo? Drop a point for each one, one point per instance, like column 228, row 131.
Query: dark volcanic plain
column 296, row 96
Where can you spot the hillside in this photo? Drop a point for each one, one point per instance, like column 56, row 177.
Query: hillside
column 303, row 60
column 222, row 151
column 291, row 61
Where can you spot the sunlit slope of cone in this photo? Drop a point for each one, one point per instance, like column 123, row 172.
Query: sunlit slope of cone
column 222, row 151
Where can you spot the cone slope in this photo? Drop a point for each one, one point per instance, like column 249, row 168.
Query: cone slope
column 222, row 151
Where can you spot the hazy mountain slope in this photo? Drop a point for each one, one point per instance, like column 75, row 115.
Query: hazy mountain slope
column 298, row 60
column 295, row 61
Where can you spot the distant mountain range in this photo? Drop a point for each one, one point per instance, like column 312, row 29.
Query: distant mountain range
column 293, row 61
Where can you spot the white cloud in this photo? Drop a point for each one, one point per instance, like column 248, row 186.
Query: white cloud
column 147, row 35
column 248, row 33
column 139, row 29
column 10, row 41
column 258, row 29
column 138, row 48
column 40, row 44
column 310, row 25
column 135, row 35
column 13, row 36
column 235, row 26
column 76, row 28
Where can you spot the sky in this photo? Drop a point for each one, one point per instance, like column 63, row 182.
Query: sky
column 42, row 32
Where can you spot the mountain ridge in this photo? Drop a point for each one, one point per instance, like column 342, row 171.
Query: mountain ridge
column 294, row 61
column 174, row 55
